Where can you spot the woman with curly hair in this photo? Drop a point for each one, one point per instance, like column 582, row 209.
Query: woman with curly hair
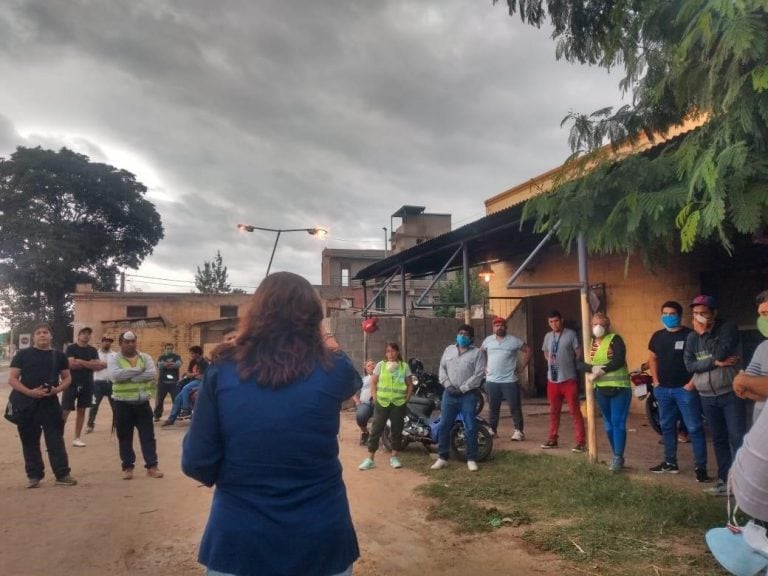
column 265, row 434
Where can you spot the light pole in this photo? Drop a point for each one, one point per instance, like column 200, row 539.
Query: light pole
column 319, row 232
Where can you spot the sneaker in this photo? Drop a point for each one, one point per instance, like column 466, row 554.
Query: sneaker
column 472, row 465
column 702, row 476
column 439, row 464
column 364, row 438
column 720, row 489
column 395, row 462
column 549, row 444
column 33, row 483
column 167, row 423
column 494, row 434
column 682, row 437
column 78, row 443
column 518, row 436
column 367, row 464
column 156, row 419
column 185, row 415
column 89, row 430
column 665, row 467
column 616, row 464
column 580, row 448
column 66, row 481
column 128, row 474
column 154, row 472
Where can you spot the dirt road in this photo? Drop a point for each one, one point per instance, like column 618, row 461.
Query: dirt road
column 108, row 526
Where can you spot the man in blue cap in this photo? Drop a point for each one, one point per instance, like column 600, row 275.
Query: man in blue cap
column 713, row 355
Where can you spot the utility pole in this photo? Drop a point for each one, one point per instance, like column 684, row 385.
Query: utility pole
column 122, row 281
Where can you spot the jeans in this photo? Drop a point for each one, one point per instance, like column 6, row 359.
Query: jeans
column 556, row 392
column 46, row 420
column 615, row 410
column 209, row 572
column 509, row 391
column 101, row 388
column 727, row 417
column 363, row 413
column 396, row 417
column 680, row 404
column 451, row 407
column 181, row 402
column 164, row 387
column 127, row 417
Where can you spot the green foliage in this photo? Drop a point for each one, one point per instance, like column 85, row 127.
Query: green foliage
column 64, row 220
column 452, row 292
column 680, row 59
column 212, row 279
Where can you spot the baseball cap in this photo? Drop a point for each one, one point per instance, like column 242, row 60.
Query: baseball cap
column 127, row 335
column 499, row 320
column 703, row 300
column 85, row 329
column 732, row 551
column 107, row 339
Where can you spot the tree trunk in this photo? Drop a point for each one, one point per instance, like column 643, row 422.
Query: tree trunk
column 60, row 326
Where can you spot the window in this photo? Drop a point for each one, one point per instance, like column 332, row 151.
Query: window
column 381, row 303
column 345, row 276
column 136, row 312
column 227, row 311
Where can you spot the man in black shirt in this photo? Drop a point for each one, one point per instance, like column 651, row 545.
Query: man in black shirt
column 37, row 375
column 83, row 360
column 168, row 365
column 675, row 392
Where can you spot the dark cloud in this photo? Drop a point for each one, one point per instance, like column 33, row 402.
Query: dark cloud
column 291, row 114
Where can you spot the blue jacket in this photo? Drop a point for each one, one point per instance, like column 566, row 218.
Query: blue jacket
column 280, row 507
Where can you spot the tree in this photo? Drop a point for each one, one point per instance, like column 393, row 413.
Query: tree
column 452, row 291
column 681, row 60
column 212, row 279
column 64, row 220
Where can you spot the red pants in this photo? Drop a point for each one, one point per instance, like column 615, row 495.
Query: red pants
column 569, row 390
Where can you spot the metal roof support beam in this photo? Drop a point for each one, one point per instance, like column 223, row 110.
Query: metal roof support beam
column 533, row 254
column 436, row 279
column 467, row 289
column 586, row 335
column 373, row 300
column 403, row 318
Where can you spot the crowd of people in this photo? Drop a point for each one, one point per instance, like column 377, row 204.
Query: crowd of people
column 277, row 471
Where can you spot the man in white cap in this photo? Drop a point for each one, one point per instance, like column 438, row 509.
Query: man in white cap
column 133, row 375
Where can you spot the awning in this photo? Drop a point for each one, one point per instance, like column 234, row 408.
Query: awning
column 494, row 238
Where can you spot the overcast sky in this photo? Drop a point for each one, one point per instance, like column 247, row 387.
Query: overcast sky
column 290, row 114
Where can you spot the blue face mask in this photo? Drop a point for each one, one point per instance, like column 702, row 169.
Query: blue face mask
column 670, row 320
column 463, row 341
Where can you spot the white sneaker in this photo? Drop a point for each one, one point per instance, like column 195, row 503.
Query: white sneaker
column 439, row 464
column 472, row 465
column 518, row 436
column 79, row 443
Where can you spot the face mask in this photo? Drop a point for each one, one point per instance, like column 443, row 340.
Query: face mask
column 701, row 319
column 598, row 331
column 670, row 320
column 463, row 341
column 762, row 325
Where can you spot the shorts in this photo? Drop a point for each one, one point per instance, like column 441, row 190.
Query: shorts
column 83, row 394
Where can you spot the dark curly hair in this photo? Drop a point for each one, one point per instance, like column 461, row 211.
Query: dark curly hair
column 280, row 337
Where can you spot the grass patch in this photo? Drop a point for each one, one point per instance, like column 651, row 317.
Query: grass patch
column 607, row 523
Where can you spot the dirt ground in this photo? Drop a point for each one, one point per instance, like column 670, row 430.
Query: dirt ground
column 108, row 526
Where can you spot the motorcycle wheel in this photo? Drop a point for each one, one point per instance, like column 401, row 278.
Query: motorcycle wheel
column 386, row 440
column 480, row 402
column 652, row 413
column 484, row 442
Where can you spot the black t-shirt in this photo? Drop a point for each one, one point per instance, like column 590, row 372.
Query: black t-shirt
column 668, row 347
column 168, row 374
column 82, row 376
column 39, row 367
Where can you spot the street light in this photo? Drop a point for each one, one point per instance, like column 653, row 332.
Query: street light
column 319, row 232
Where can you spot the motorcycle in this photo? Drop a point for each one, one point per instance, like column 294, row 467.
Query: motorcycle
column 421, row 427
column 427, row 385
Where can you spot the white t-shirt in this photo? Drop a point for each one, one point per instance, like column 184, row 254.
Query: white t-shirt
column 758, row 366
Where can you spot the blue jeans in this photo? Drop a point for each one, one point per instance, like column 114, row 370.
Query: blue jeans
column 727, row 418
column 182, row 399
column 363, row 413
column 615, row 410
column 450, row 408
column 675, row 404
column 209, row 572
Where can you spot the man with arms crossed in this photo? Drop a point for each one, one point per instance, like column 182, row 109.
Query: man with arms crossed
column 83, row 361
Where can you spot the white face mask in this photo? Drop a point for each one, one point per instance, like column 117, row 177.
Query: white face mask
column 598, row 331
column 701, row 319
